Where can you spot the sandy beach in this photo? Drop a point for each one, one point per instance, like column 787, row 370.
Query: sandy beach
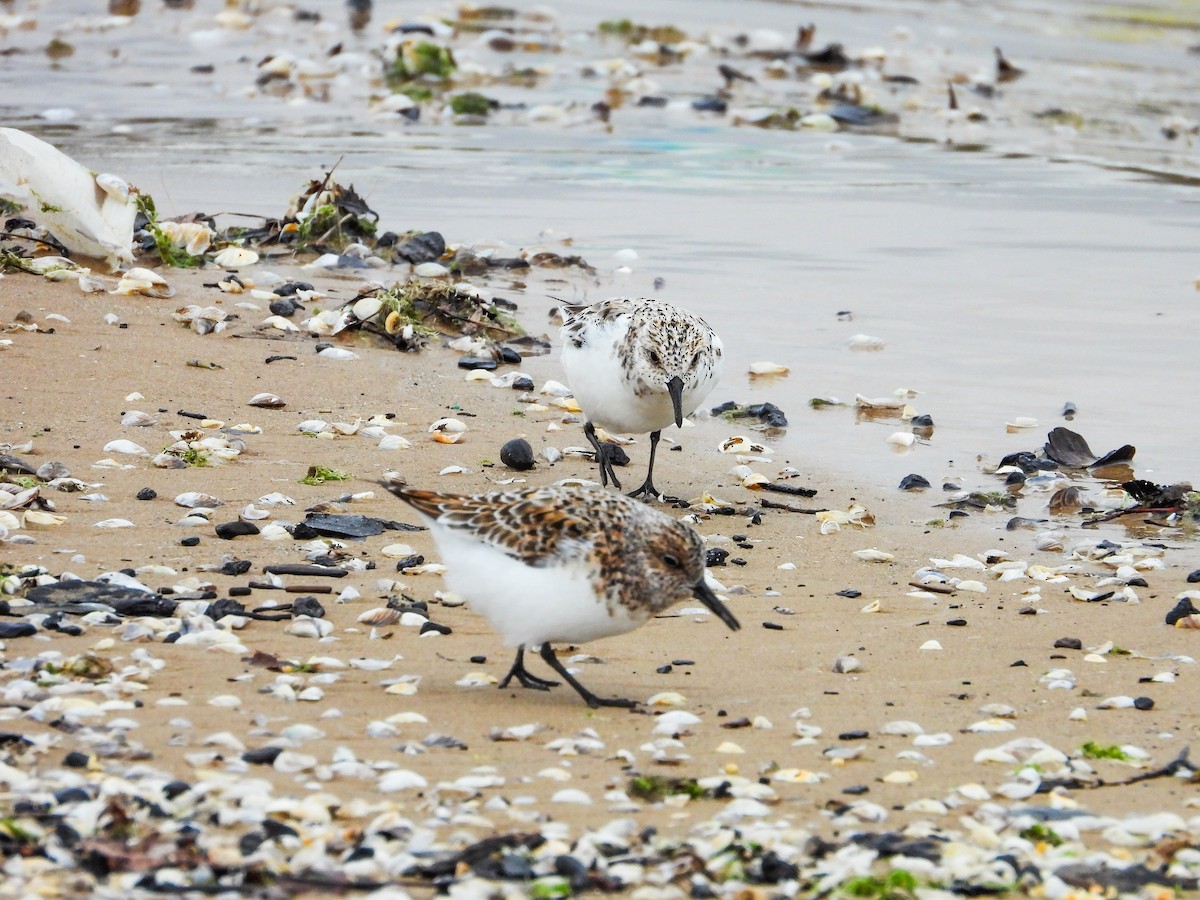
column 919, row 703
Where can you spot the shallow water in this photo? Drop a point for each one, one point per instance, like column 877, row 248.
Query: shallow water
column 1043, row 266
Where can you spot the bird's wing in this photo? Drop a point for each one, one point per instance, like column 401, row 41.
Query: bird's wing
column 538, row 527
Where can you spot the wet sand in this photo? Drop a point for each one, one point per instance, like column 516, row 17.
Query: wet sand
column 1002, row 287
column 67, row 390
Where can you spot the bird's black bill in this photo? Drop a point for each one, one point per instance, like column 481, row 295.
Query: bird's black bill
column 675, row 389
column 704, row 594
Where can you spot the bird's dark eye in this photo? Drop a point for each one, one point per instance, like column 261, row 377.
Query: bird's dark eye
column 654, row 358
column 671, row 561
column 696, row 360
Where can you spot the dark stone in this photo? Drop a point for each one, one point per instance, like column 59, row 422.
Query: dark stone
column 859, row 734
column 1015, row 478
column 1185, row 607
column 914, row 483
column 426, row 247
column 435, row 626
column 715, row 556
column 1143, row 703
column 1068, row 643
column 261, row 756
column 1024, row 460
column 235, row 567
column 227, row 531
column 1194, row 576
column 958, row 623
column 344, row 526
column 478, row 660
column 616, row 454
column 652, row 101
column 240, row 591
column 16, row 630
column 517, row 454
column 664, row 670
column 284, row 307
column 1018, row 664
column 890, row 843
column 774, row 869
column 308, row 606
column 922, row 421
column 249, row 842
column 683, row 662
column 710, row 104
column 574, row 871
column 289, row 288
column 277, row 829
column 146, row 494
column 1123, row 880
column 772, row 626
column 767, row 413
column 71, row 795
column 510, row 356
column 409, row 562
column 477, row 362
column 173, row 789
column 856, row 790
column 523, row 384
column 737, row 561
column 850, row 593
column 192, row 541
column 75, row 760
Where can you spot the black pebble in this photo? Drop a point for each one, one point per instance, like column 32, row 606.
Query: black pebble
column 75, row 760
column 240, row 591
column 957, row 622
column 683, row 662
column 147, row 494
column 308, row 606
column 509, row 355
column 1183, row 608
column 1015, row 478
column 523, row 384
column 1019, row 662
column 738, row 561
column 914, row 483
column 663, row 670
column 477, row 362
column 772, row 626
column 850, row 593
column 616, row 454
column 1193, row 577
column 859, row 734
column 16, row 630
column 478, row 660
column 261, row 756
column 715, row 556
column 235, row 567
column 410, row 561
column 922, row 421
column 856, row 789
column 285, row 308
column 173, row 789
column 1143, row 703
column 291, row 287
column 517, row 454
column 434, row 626
column 229, row 530
column 710, row 104
column 1068, row 643
column 190, row 541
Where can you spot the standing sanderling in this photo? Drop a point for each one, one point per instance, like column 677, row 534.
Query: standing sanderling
column 551, row 565
column 637, row 366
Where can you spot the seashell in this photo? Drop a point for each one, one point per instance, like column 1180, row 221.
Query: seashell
column 1019, row 423
column 443, row 437
column 193, row 499
column 138, row 419
column 143, row 281
column 235, row 258
column 114, row 523
column 267, row 401
column 901, row 439
column 367, row 307
column 902, row 727
column 906, row 776
column 1118, row 702
column 394, row 442
column 743, row 445
column 477, row 679
column 729, row 747
column 768, row 368
column 430, row 270
column 797, row 776
column 865, row 342
column 844, row 665
column 931, row 645
column 52, row 470
column 339, row 353
column 667, row 698
column 873, row 555
column 127, row 447
column 279, row 323
column 449, row 426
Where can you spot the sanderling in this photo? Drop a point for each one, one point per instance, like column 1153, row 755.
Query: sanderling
column 548, row 565
column 637, row 365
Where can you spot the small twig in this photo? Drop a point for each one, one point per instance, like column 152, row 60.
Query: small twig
column 771, row 504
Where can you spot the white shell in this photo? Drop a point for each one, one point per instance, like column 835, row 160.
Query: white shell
column 266, row 401
column 235, row 258
column 127, row 447
column 865, row 342
column 768, row 368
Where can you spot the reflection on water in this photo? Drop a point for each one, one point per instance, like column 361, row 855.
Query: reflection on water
column 1002, row 284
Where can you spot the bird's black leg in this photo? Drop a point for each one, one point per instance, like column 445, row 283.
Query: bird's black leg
column 647, row 489
column 524, row 676
column 588, row 697
column 606, row 467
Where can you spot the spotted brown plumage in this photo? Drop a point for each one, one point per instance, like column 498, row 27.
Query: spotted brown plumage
column 636, row 366
column 560, row 564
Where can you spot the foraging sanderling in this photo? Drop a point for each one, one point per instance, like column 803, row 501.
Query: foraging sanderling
column 548, row 565
column 637, row 365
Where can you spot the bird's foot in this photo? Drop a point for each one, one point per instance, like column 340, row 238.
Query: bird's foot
column 524, row 677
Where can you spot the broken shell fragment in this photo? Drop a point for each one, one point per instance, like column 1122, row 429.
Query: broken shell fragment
column 768, row 368
column 267, row 401
column 143, row 281
column 235, row 258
